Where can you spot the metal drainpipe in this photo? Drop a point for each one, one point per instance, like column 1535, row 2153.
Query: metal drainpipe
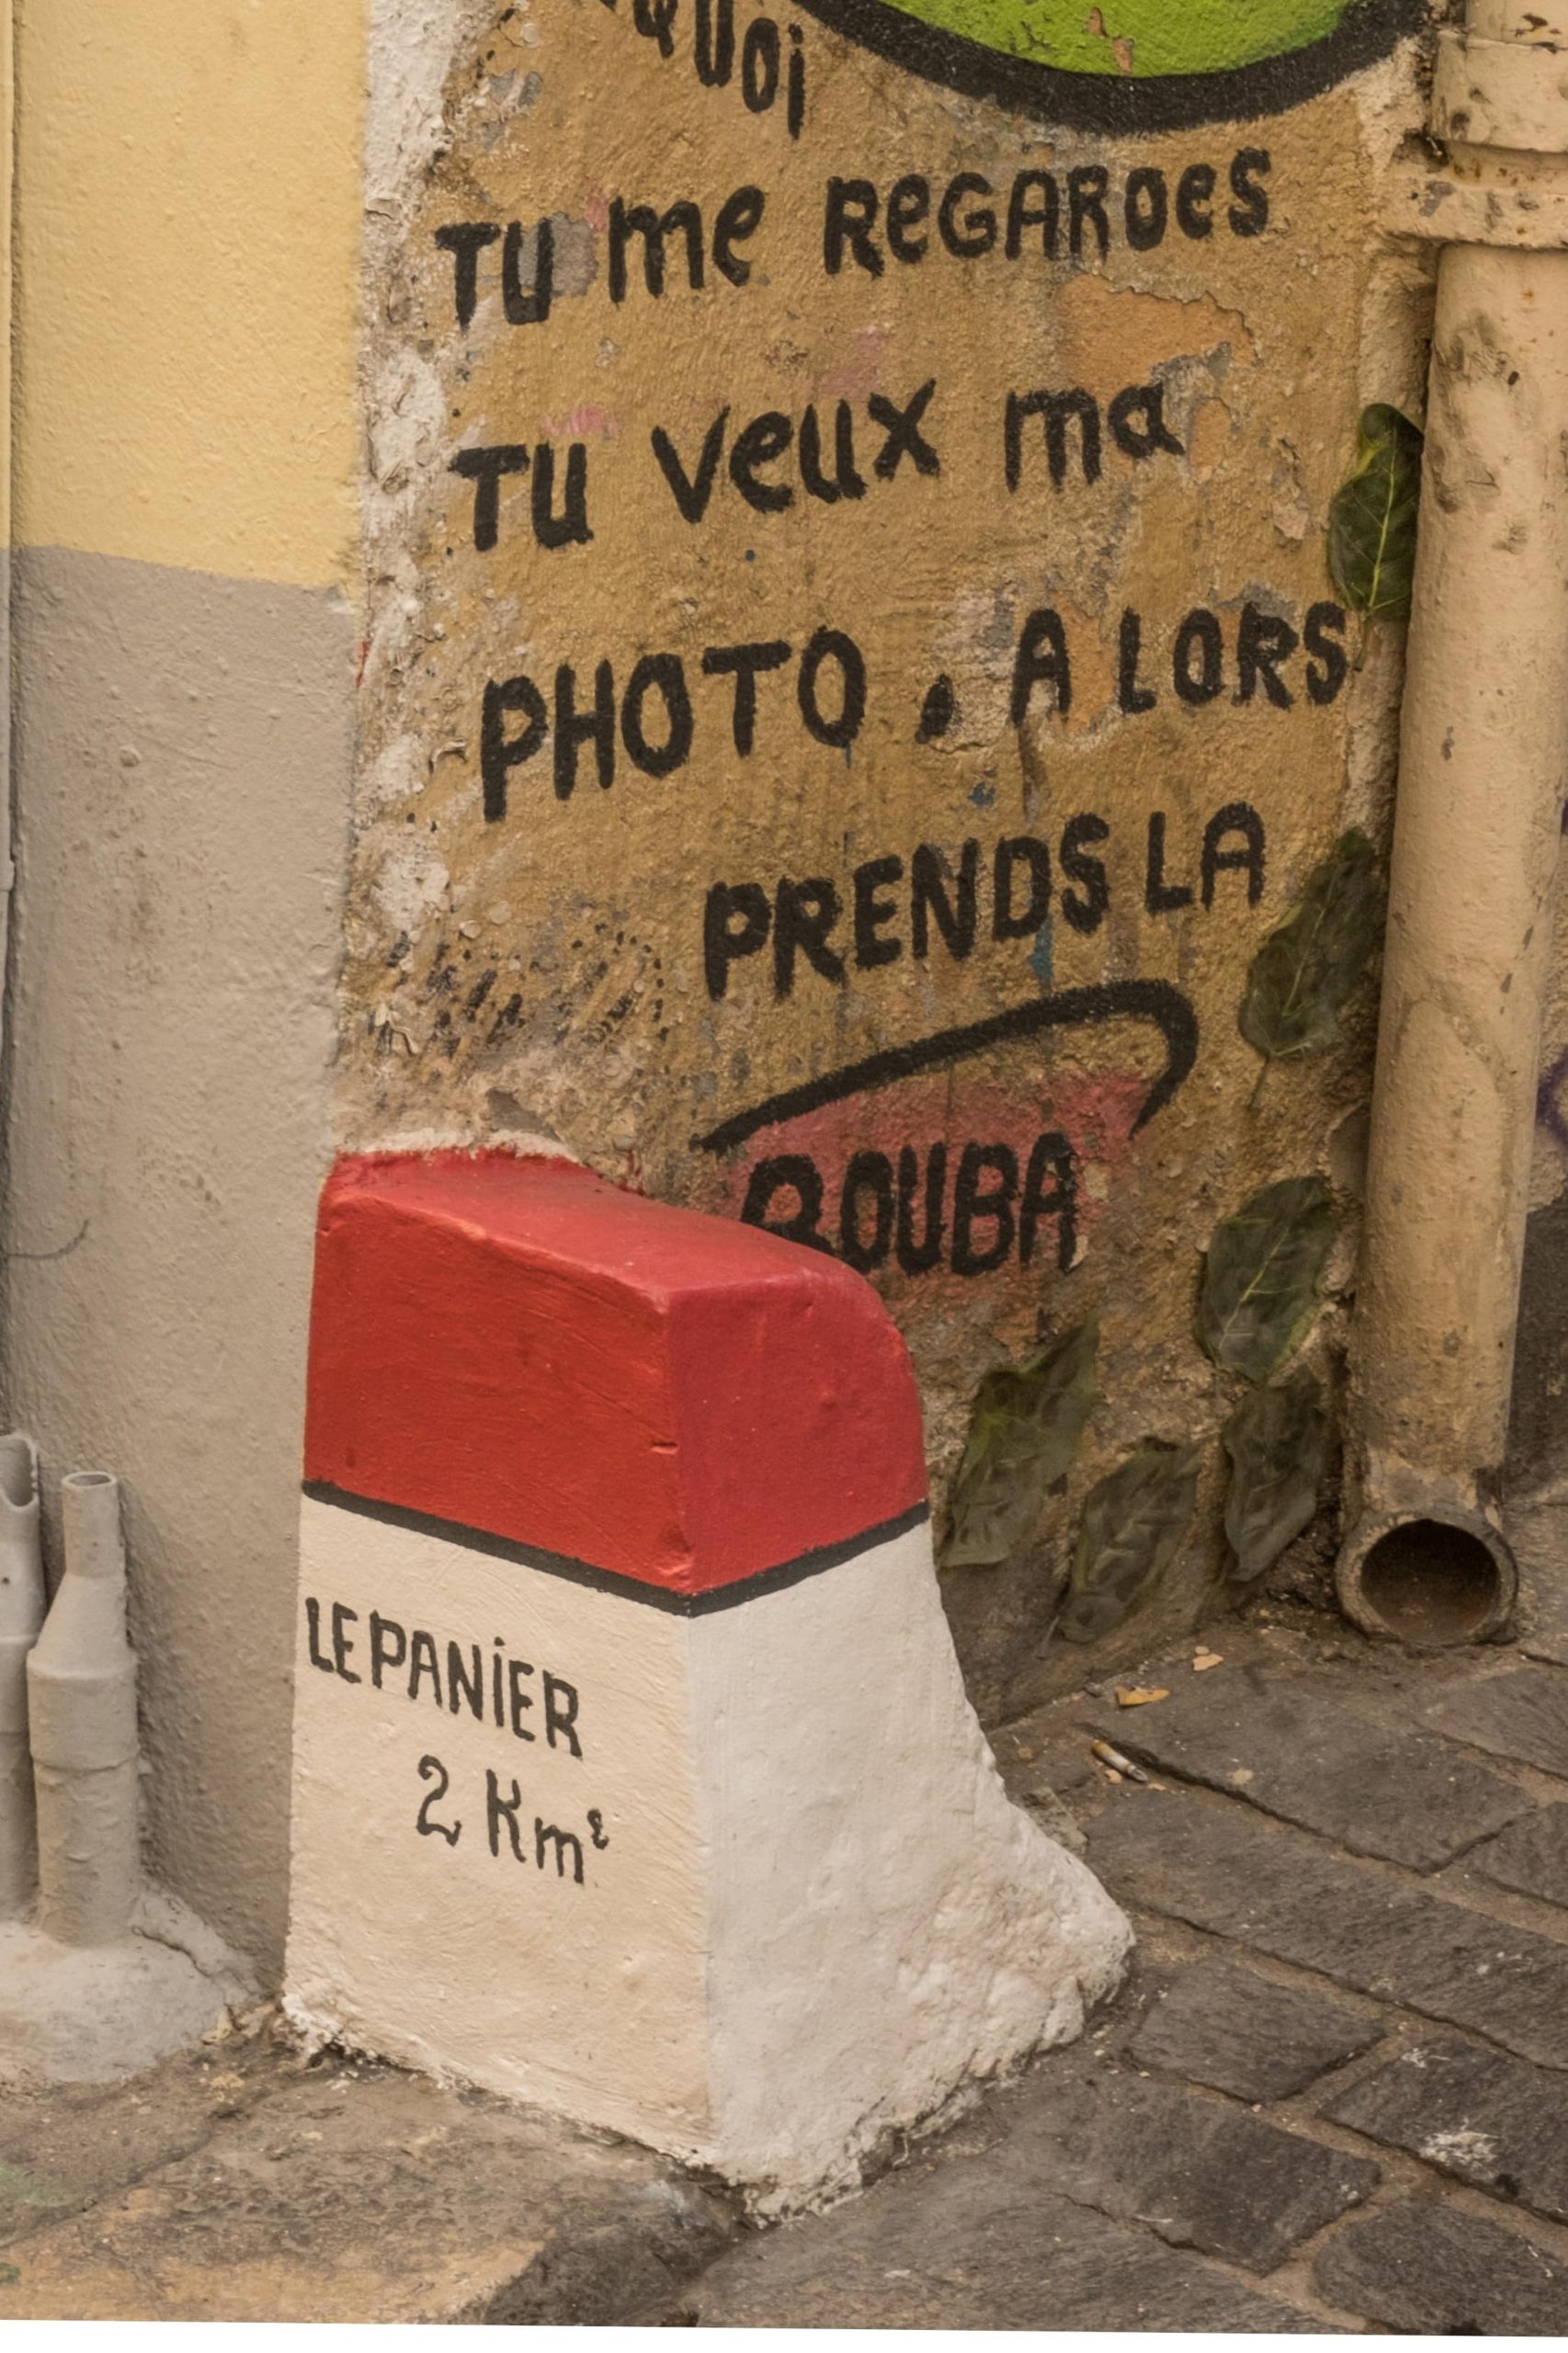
column 1484, row 767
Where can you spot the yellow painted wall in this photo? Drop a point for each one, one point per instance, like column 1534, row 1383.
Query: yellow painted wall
column 188, row 236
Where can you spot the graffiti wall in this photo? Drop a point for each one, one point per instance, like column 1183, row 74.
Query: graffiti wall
column 852, row 673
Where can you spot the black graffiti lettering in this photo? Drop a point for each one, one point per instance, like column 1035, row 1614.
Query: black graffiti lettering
column 803, row 914
column 1236, row 817
column 465, row 1681
column 382, row 1652
column 1137, row 421
column 929, row 875
column 1051, row 1157
column 660, row 674
column 902, row 428
column 976, row 234
column 518, row 1698
column 873, row 913
column 1324, row 636
column 759, row 65
column 788, row 1172
column 1199, row 639
column 342, row 1647
column 499, row 752
column 758, row 444
column 869, row 1173
column 423, row 1661
column 599, row 1837
column 833, row 645
column 484, row 468
column 465, row 241
column 737, row 920
column 1042, row 660
column 1146, row 209
column 692, row 493
column 1035, row 203
column 993, row 1204
column 432, row 1768
column 654, row 20
column 312, row 1626
column 1129, row 695
column 551, row 530
column 1087, row 187
column 1195, row 190
column 1058, row 410
column 1007, row 922
column 561, row 1703
column 497, row 1810
column 846, row 481
column 684, row 220
column 714, row 41
column 1264, row 641
column 1085, row 910
column 527, row 306
column 848, row 219
column 1161, row 897
column 545, row 1834
column 919, row 1258
column 795, row 104
column 909, row 204
column 746, row 664
column 574, row 728
column 1249, row 217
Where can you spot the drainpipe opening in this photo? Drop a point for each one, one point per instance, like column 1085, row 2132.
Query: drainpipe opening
column 1428, row 1581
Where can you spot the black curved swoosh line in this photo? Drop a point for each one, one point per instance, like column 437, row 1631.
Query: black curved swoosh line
column 1113, row 102
column 1155, row 1001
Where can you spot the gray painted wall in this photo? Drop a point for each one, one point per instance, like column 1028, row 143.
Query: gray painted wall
column 183, row 767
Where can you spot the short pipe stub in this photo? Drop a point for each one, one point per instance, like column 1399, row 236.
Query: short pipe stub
column 1432, row 1579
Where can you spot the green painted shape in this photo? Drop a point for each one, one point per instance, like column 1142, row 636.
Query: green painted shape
column 1165, row 36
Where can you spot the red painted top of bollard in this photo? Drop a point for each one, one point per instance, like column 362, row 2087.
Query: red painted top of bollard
column 514, row 1345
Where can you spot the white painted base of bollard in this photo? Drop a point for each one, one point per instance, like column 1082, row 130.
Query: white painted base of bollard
column 741, row 1883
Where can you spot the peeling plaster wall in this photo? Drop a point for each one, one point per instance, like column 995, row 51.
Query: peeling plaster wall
column 526, row 957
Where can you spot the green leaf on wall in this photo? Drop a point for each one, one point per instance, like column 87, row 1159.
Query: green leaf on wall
column 1277, row 1442
column 1303, row 974
column 1023, row 1434
column 1372, row 520
column 1133, row 1522
column 1261, row 1276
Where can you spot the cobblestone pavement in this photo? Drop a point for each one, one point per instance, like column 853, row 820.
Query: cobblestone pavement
column 1333, row 2095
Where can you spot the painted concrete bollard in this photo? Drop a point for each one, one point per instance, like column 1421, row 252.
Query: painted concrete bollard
column 634, row 1774
column 21, row 1615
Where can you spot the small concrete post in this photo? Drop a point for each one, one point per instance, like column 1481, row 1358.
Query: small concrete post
column 21, row 1615
column 633, row 1772
column 82, row 1710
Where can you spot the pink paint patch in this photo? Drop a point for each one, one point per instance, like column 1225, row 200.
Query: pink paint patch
column 863, row 372
column 581, row 423
column 935, row 1179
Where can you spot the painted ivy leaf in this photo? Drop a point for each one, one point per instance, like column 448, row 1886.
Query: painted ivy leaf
column 1303, row 974
column 1133, row 1522
column 1260, row 1279
column 1277, row 1442
column 1023, row 1434
column 1372, row 520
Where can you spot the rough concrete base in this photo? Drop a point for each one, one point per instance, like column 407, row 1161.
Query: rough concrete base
column 245, row 2183
column 98, row 2014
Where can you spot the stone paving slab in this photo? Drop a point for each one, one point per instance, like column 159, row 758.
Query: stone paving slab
column 1522, row 1714
column 970, row 2235
column 1494, row 2122
column 1200, row 2172
column 1238, row 2032
column 1425, row 2268
column 1530, row 1856
column 1406, row 1796
column 356, row 2194
column 1213, row 1865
